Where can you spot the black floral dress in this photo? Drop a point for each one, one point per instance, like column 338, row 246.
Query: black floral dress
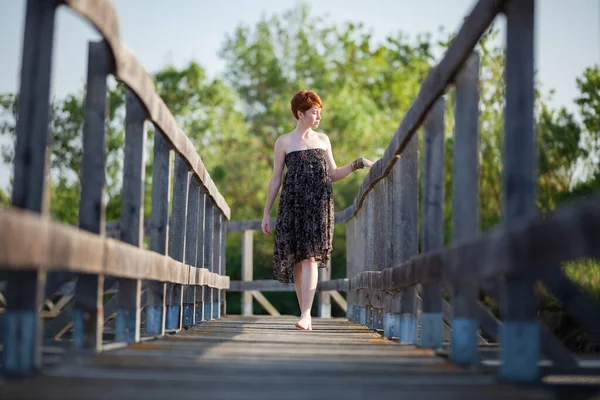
column 305, row 218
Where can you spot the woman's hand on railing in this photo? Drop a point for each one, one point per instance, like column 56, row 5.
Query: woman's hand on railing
column 266, row 225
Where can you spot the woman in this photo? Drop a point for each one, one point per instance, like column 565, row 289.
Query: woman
column 305, row 219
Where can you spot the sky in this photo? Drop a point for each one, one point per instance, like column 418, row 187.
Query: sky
column 175, row 32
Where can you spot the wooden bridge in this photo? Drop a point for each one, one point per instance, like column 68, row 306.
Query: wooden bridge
column 135, row 322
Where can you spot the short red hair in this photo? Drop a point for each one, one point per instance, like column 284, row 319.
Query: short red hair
column 305, row 100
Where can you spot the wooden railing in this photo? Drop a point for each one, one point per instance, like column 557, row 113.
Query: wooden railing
column 182, row 284
column 395, row 285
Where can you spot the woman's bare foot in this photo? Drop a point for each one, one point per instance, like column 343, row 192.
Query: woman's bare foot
column 304, row 324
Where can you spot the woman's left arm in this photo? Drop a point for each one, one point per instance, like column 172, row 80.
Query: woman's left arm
column 337, row 173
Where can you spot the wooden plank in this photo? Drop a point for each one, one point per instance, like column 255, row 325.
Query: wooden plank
column 432, row 231
column 223, row 270
column 570, row 232
column 339, row 299
column 24, row 295
column 265, row 355
column 200, row 255
column 217, row 231
column 191, row 246
column 247, row 272
column 127, row 68
column 465, row 207
column 521, row 331
column 132, row 217
column 324, row 300
column 405, row 231
column 156, row 308
column 266, row 304
column 177, row 240
column 271, row 285
column 208, row 255
column 88, row 312
column 36, row 240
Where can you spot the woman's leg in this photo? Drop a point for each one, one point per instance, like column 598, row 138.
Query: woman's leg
column 310, row 277
column 298, row 283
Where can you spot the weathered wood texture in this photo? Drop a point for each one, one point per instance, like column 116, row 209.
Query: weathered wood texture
column 52, row 246
column 88, row 313
column 265, row 358
column 127, row 68
column 21, row 336
column 271, row 285
column 537, row 243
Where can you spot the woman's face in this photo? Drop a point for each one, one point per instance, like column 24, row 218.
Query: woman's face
column 311, row 117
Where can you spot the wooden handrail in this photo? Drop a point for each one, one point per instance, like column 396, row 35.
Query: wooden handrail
column 101, row 14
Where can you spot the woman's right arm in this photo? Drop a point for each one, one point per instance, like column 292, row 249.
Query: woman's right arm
column 274, row 184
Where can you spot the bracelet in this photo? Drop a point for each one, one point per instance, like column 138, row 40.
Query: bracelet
column 357, row 164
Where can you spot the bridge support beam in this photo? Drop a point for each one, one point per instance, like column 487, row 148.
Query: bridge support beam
column 520, row 340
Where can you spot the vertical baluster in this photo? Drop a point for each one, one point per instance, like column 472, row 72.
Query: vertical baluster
column 159, row 229
column 247, row 270
column 465, row 205
column 208, row 255
column 362, row 261
column 223, row 265
column 22, row 326
column 405, row 213
column 88, row 312
column 191, row 245
column 200, row 255
column 380, row 246
column 132, row 216
column 351, row 246
column 368, row 294
column 177, row 240
column 520, row 344
column 432, row 233
column 325, row 296
column 218, row 219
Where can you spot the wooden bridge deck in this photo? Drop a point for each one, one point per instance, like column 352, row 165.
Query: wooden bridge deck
column 263, row 357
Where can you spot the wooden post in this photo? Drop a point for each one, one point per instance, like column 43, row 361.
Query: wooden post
column 132, row 216
column 88, row 312
column 159, row 230
column 404, row 228
column 218, row 218
column 22, row 351
column 520, row 330
column 369, row 207
column 465, row 205
column 208, row 255
column 381, row 242
column 432, row 232
column 247, row 270
column 325, row 296
column 191, row 245
column 200, row 255
column 177, row 240
column 223, row 264
column 351, row 262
